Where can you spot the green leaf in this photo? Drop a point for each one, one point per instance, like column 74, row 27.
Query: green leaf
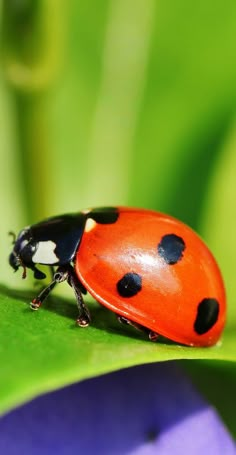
column 44, row 350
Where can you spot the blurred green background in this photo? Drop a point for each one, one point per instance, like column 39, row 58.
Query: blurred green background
column 128, row 102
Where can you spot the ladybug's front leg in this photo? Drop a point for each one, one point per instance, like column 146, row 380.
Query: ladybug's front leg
column 59, row 276
column 151, row 335
column 66, row 273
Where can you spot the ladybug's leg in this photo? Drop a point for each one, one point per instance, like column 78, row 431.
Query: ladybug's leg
column 84, row 318
column 151, row 335
column 59, row 276
column 66, row 273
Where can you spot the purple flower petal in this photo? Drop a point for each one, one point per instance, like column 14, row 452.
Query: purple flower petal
column 150, row 409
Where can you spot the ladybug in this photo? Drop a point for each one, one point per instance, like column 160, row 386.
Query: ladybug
column 152, row 270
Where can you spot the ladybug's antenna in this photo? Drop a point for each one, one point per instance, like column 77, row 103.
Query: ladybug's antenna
column 13, row 235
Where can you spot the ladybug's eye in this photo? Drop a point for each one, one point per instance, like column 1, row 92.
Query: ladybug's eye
column 14, row 261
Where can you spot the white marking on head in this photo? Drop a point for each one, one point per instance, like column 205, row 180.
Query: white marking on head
column 89, row 225
column 23, row 244
column 45, row 253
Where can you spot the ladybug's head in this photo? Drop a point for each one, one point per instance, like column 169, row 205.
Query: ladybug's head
column 52, row 242
column 23, row 252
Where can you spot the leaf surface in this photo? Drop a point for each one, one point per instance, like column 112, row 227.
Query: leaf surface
column 44, row 350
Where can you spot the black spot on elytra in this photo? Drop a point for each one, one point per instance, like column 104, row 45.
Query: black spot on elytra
column 207, row 315
column 129, row 285
column 104, row 215
column 171, row 248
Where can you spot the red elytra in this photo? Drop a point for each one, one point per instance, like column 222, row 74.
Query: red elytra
column 154, row 270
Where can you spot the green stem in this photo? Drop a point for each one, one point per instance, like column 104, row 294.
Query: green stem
column 33, row 148
column 32, row 35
